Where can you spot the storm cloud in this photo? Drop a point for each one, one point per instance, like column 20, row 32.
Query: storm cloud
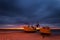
column 29, row 11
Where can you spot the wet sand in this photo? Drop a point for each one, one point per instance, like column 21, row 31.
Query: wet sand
column 17, row 35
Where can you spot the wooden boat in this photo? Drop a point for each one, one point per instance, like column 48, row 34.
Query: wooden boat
column 29, row 29
column 45, row 31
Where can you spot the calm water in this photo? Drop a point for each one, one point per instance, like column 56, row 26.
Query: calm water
column 55, row 31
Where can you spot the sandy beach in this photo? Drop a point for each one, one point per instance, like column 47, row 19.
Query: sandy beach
column 17, row 35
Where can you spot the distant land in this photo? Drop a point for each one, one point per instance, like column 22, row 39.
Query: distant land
column 22, row 25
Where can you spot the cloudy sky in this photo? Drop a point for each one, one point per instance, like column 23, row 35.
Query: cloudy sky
column 29, row 11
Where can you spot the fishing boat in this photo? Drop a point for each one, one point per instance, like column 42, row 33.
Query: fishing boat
column 29, row 29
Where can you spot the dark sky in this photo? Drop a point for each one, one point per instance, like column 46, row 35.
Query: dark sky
column 29, row 11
